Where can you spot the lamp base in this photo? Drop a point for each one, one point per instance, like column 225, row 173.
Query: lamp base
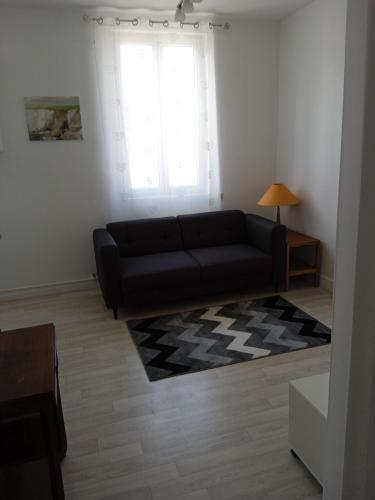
column 278, row 215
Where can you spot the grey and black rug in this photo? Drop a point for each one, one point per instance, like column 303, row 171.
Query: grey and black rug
column 207, row 338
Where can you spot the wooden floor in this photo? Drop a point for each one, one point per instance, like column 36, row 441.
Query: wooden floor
column 219, row 434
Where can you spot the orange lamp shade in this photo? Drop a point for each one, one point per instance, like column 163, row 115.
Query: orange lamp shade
column 278, row 195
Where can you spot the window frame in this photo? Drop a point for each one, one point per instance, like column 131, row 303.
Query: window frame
column 159, row 40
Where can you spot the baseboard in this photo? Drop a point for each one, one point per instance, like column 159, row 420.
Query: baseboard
column 86, row 284
column 47, row 289
column 326, row 283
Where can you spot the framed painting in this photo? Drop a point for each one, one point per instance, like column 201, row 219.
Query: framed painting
column 53, row 118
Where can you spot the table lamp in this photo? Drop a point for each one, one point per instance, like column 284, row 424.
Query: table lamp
column 278, row 195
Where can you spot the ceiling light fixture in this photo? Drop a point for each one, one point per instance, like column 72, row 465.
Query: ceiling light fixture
column 184, row 7
column 180, row 16
column 187, row 6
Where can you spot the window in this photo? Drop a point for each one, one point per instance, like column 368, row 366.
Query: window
column 157, row 92
column 161, row 111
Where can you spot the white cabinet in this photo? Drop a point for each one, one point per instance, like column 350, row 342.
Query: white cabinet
column 308, row 410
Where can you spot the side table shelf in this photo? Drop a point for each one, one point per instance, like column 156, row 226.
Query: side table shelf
column 295, row 266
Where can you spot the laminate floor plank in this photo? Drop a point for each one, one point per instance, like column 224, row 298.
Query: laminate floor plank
column 214, row 435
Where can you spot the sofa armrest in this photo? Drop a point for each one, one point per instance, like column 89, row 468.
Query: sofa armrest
column 269, row 237
column 107, row 257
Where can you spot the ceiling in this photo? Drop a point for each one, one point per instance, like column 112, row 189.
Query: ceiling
column 274, row 9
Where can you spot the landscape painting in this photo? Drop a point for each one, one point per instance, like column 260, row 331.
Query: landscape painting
column 53, row 118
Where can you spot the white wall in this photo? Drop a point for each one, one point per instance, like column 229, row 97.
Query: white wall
column 351, row 415
column 53, row 194
column 312, row 51
column 247, row 63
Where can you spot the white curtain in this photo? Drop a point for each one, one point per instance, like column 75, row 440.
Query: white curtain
column 158, row 104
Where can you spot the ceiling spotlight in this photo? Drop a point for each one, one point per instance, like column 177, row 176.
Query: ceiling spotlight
column 180, row 16
column 187, row 6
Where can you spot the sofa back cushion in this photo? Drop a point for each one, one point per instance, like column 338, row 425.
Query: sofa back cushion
column 213, row 229
column 146, row 236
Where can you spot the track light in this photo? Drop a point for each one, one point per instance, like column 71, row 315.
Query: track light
column 187, row 6
column 184, row 7
column 180, row 16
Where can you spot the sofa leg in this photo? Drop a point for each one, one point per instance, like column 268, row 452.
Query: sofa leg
column 115, row 312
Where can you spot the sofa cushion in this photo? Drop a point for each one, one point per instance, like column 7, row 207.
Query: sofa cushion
column 146, row 236
column 162, row 270
column 213, row 229
column 231, row 260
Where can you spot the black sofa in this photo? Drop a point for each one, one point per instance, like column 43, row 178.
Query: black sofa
column 154, row 260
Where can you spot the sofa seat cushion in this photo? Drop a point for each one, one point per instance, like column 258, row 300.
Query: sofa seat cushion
column 161, row 270
column 231, row 260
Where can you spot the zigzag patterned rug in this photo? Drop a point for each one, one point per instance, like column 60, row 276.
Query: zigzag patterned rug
column 207, row 338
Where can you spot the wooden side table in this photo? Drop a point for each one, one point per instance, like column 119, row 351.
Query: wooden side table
column 31, row 419
column 294, row 265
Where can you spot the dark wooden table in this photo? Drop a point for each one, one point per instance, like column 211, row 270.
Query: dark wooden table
column 295, row 266
column 31, row 419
